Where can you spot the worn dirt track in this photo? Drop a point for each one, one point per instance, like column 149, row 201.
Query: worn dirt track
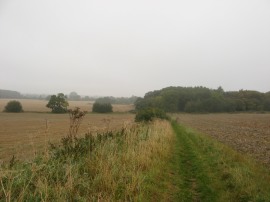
column 246, row 133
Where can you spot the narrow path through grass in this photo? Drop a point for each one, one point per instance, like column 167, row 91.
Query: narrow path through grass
column 211, row 171
column 194, row 185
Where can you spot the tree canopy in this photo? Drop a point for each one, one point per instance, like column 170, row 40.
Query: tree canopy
column 58, row 103
column 201, row 99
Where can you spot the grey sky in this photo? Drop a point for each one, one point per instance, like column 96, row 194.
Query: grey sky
column 124, row 48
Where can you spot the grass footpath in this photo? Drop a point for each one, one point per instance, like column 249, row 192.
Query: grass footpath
column 211, row 171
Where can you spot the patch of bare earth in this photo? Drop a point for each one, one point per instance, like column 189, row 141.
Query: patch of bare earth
column 246, row 133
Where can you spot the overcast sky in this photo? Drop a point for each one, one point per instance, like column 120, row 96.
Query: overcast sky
column 124, row 48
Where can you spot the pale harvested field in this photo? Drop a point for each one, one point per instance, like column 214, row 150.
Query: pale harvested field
column 247, row 133
column 30, row 105
column 22, row 134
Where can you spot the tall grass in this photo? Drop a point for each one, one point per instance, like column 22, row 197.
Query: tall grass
column 122, row 165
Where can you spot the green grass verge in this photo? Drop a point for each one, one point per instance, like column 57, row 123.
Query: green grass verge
column 211, row 171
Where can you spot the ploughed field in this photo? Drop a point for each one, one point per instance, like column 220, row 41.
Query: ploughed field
column 246, row 133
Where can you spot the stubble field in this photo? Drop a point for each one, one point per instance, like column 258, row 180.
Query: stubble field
column 246, row 133
column 30, row 105
column 23, row 134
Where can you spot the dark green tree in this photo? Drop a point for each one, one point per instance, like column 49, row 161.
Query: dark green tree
column 267, row 101
column 102, row 107
column 13, row 106
column 203, row 100
column 58, row 103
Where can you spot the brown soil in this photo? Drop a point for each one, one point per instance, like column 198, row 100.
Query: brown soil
column 246, row 133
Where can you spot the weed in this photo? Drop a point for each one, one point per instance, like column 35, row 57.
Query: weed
column 75, row 116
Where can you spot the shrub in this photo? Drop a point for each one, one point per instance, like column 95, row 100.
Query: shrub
column 102, row 107
column 149, row 114
column 13, row 106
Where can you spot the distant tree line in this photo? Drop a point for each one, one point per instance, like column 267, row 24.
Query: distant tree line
column 73, row 96
column 59, row 103
column 9, row 94
column 117, row 100
column 202, row 99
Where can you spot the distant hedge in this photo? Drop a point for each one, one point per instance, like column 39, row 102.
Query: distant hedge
column 13, row 106
column 102, row 107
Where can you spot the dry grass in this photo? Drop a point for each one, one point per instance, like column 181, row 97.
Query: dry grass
column 120, row 167
column 145, row 149
column 247, row 133
column 22, row 134
column 30, row 105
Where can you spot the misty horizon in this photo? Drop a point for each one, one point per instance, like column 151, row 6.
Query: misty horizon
column 119, row 48
column 98, row 96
